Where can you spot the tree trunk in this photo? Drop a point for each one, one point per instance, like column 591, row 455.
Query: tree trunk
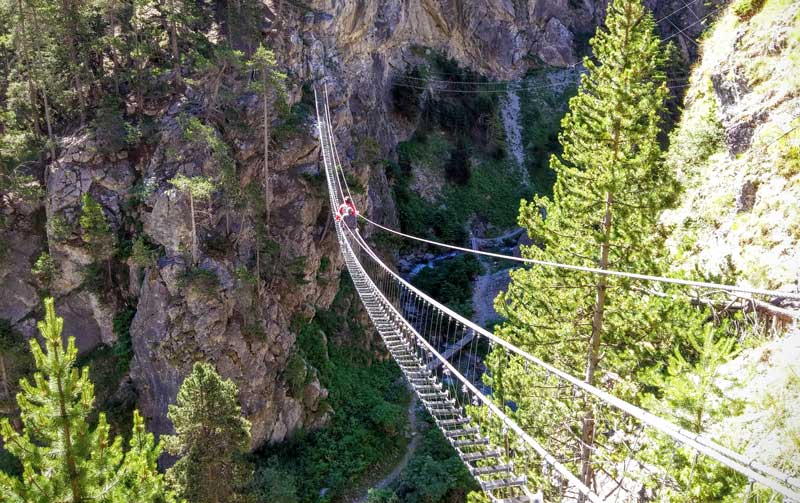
column 587, row 435
column 70, row 11
column 173, row 43
column 140, row 66
column 4, row 377
column 37, row 133
column 25, row 50
column 258, row 267
column 117, row 66
column 194, row 230
column 81, row 97
column 47, row 114
column 50, row 136
column 266, row 147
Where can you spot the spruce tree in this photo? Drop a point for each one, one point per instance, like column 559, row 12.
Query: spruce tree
column 63, row 458
column 96, row 233
column 610, row 189
column 211, row 437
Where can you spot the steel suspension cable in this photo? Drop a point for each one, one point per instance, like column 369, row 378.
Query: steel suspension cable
column 595, row 270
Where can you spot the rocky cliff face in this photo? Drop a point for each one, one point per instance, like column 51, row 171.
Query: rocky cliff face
column 738, row 150
column 354, row 47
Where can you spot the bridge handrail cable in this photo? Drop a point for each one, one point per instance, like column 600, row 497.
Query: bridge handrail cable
column 595, row 270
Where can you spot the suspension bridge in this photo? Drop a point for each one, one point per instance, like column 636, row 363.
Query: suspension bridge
column 516, row 453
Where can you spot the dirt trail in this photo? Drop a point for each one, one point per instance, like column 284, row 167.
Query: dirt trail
column 486, row 289
column 489, row 285
column 412, row 447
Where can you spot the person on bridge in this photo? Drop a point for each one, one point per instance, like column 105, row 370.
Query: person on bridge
column 347, row 211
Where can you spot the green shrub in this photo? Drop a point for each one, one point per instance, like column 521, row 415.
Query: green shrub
column 696, row 140
column 106, row 373
column 17, row 362
column 789, row 163
column 272, row 484
column 296, row 374
column 142, row 191
column 406, row 99
column 450, row 282
column 382, row 496
column 457, row 167
column 354, row 183
column 296, row 270
column 58, row 229
column 368, row 151
column 293, row 122
column 311, row 340
column 142, row 253
column 217, row 244
column 324, row 264
column 255, row 330
column 44, row 269
column 198, row 279
column 389, row 417
column 435, row 473
column 354, row 445
column 94, row 278
column 243, row 275
column 316, row 181
column 112, row 132
column 745, row 9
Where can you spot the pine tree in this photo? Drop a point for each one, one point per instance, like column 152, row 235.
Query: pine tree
column 610, row 189
column 198, row 188
column 33, row 46
column 270, row 85
column 690, row 396
column 205, row 138
column 63, row 458
column 174, row 17
column 96, row 233
column 211, row 437
column 143, row 48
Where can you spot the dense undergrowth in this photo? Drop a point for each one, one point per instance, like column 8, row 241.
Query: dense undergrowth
column 450, row 282
column 434, row 473
column 368, row 424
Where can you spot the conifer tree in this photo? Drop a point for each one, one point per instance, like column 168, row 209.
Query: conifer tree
column 690, row 396
column 198, row 188
column 62, row 457
column 610, row 189
column 270, row 85
column 211, row 437
column 96, row 233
